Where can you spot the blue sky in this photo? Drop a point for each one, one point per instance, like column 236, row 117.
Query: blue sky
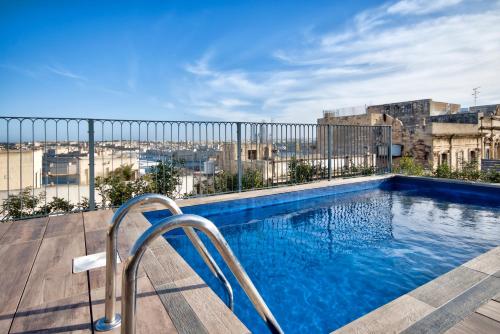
column 242, row 60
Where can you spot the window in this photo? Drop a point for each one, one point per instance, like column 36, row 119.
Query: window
column 472, row 156
column 252, row 154
column 444, row 158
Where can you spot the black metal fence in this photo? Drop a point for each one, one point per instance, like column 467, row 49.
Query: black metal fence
column 52, row 165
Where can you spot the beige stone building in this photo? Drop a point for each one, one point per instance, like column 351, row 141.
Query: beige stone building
column 20, row 168
column 253, row 156
column 73, row 167
column 434, row 132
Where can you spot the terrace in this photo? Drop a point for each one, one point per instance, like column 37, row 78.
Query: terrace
column 41, row 293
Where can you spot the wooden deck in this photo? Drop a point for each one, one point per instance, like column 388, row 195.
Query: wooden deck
column 40, row 294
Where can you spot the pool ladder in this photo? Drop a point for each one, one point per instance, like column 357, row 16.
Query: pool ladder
column 189, row 223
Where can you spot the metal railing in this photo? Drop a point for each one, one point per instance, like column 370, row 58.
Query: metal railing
column 68, row 164
column 131, row 265
column 111, row 319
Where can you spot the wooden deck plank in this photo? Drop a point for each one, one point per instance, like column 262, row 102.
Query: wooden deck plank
column 55, row 299
column 25, row 230
column 96, row 243
column 491, row 310
column 67, row 315
column 3, row 228
column 16, row 261
column 476, row 324
column 64, row 225
column 52, row 278
column 127, row 235
column 97, row 220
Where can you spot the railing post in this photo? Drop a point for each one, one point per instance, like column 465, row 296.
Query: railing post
column 390, row 149
column 238, row 144
column 330, row 137
column 91, row 166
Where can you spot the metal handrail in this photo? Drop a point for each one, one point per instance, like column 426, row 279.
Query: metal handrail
column 111, row 319
column 131, row 265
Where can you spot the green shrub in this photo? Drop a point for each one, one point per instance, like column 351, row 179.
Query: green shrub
column 165, row 177
column 408, row 166
column 349, row 169
column 26, row 204
column 300, row 171
column 121, row 185
column 224, row 181
column 443, row 171
column 368, row 170
column 469, row 171
column 251, row 179
column 60, row 205
column 491, row 176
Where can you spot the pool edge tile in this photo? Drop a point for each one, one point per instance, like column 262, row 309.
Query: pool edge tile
column 447, row 286
column 392, row 317
column 487, row 263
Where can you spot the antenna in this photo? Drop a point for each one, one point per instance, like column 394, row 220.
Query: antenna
column 475, row 93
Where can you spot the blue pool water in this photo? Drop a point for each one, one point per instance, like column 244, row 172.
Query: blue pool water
column 322, row 262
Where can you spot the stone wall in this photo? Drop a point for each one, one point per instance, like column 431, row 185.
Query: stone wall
column 487, row 110
column 465, row 118
column 411, row 113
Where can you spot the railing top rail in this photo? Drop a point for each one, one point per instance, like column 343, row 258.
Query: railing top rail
column 111, row 120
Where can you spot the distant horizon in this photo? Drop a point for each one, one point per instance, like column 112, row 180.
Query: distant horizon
column 239, row 61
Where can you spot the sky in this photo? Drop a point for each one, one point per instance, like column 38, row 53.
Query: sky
column 242, row 60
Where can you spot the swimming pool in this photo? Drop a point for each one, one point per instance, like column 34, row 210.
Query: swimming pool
column 324, row 257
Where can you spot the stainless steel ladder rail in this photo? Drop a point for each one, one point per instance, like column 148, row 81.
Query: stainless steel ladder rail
column 111, row 319
column 131, row 265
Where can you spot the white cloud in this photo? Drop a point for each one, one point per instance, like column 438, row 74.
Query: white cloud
column 65, row 73
column 380, row 60
column 420, row 6
column 201, row 66
column 234, row 103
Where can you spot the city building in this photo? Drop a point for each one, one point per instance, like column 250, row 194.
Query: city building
column 61, row 167
column 253, row 156
column 434, row 132
column 20, row 168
